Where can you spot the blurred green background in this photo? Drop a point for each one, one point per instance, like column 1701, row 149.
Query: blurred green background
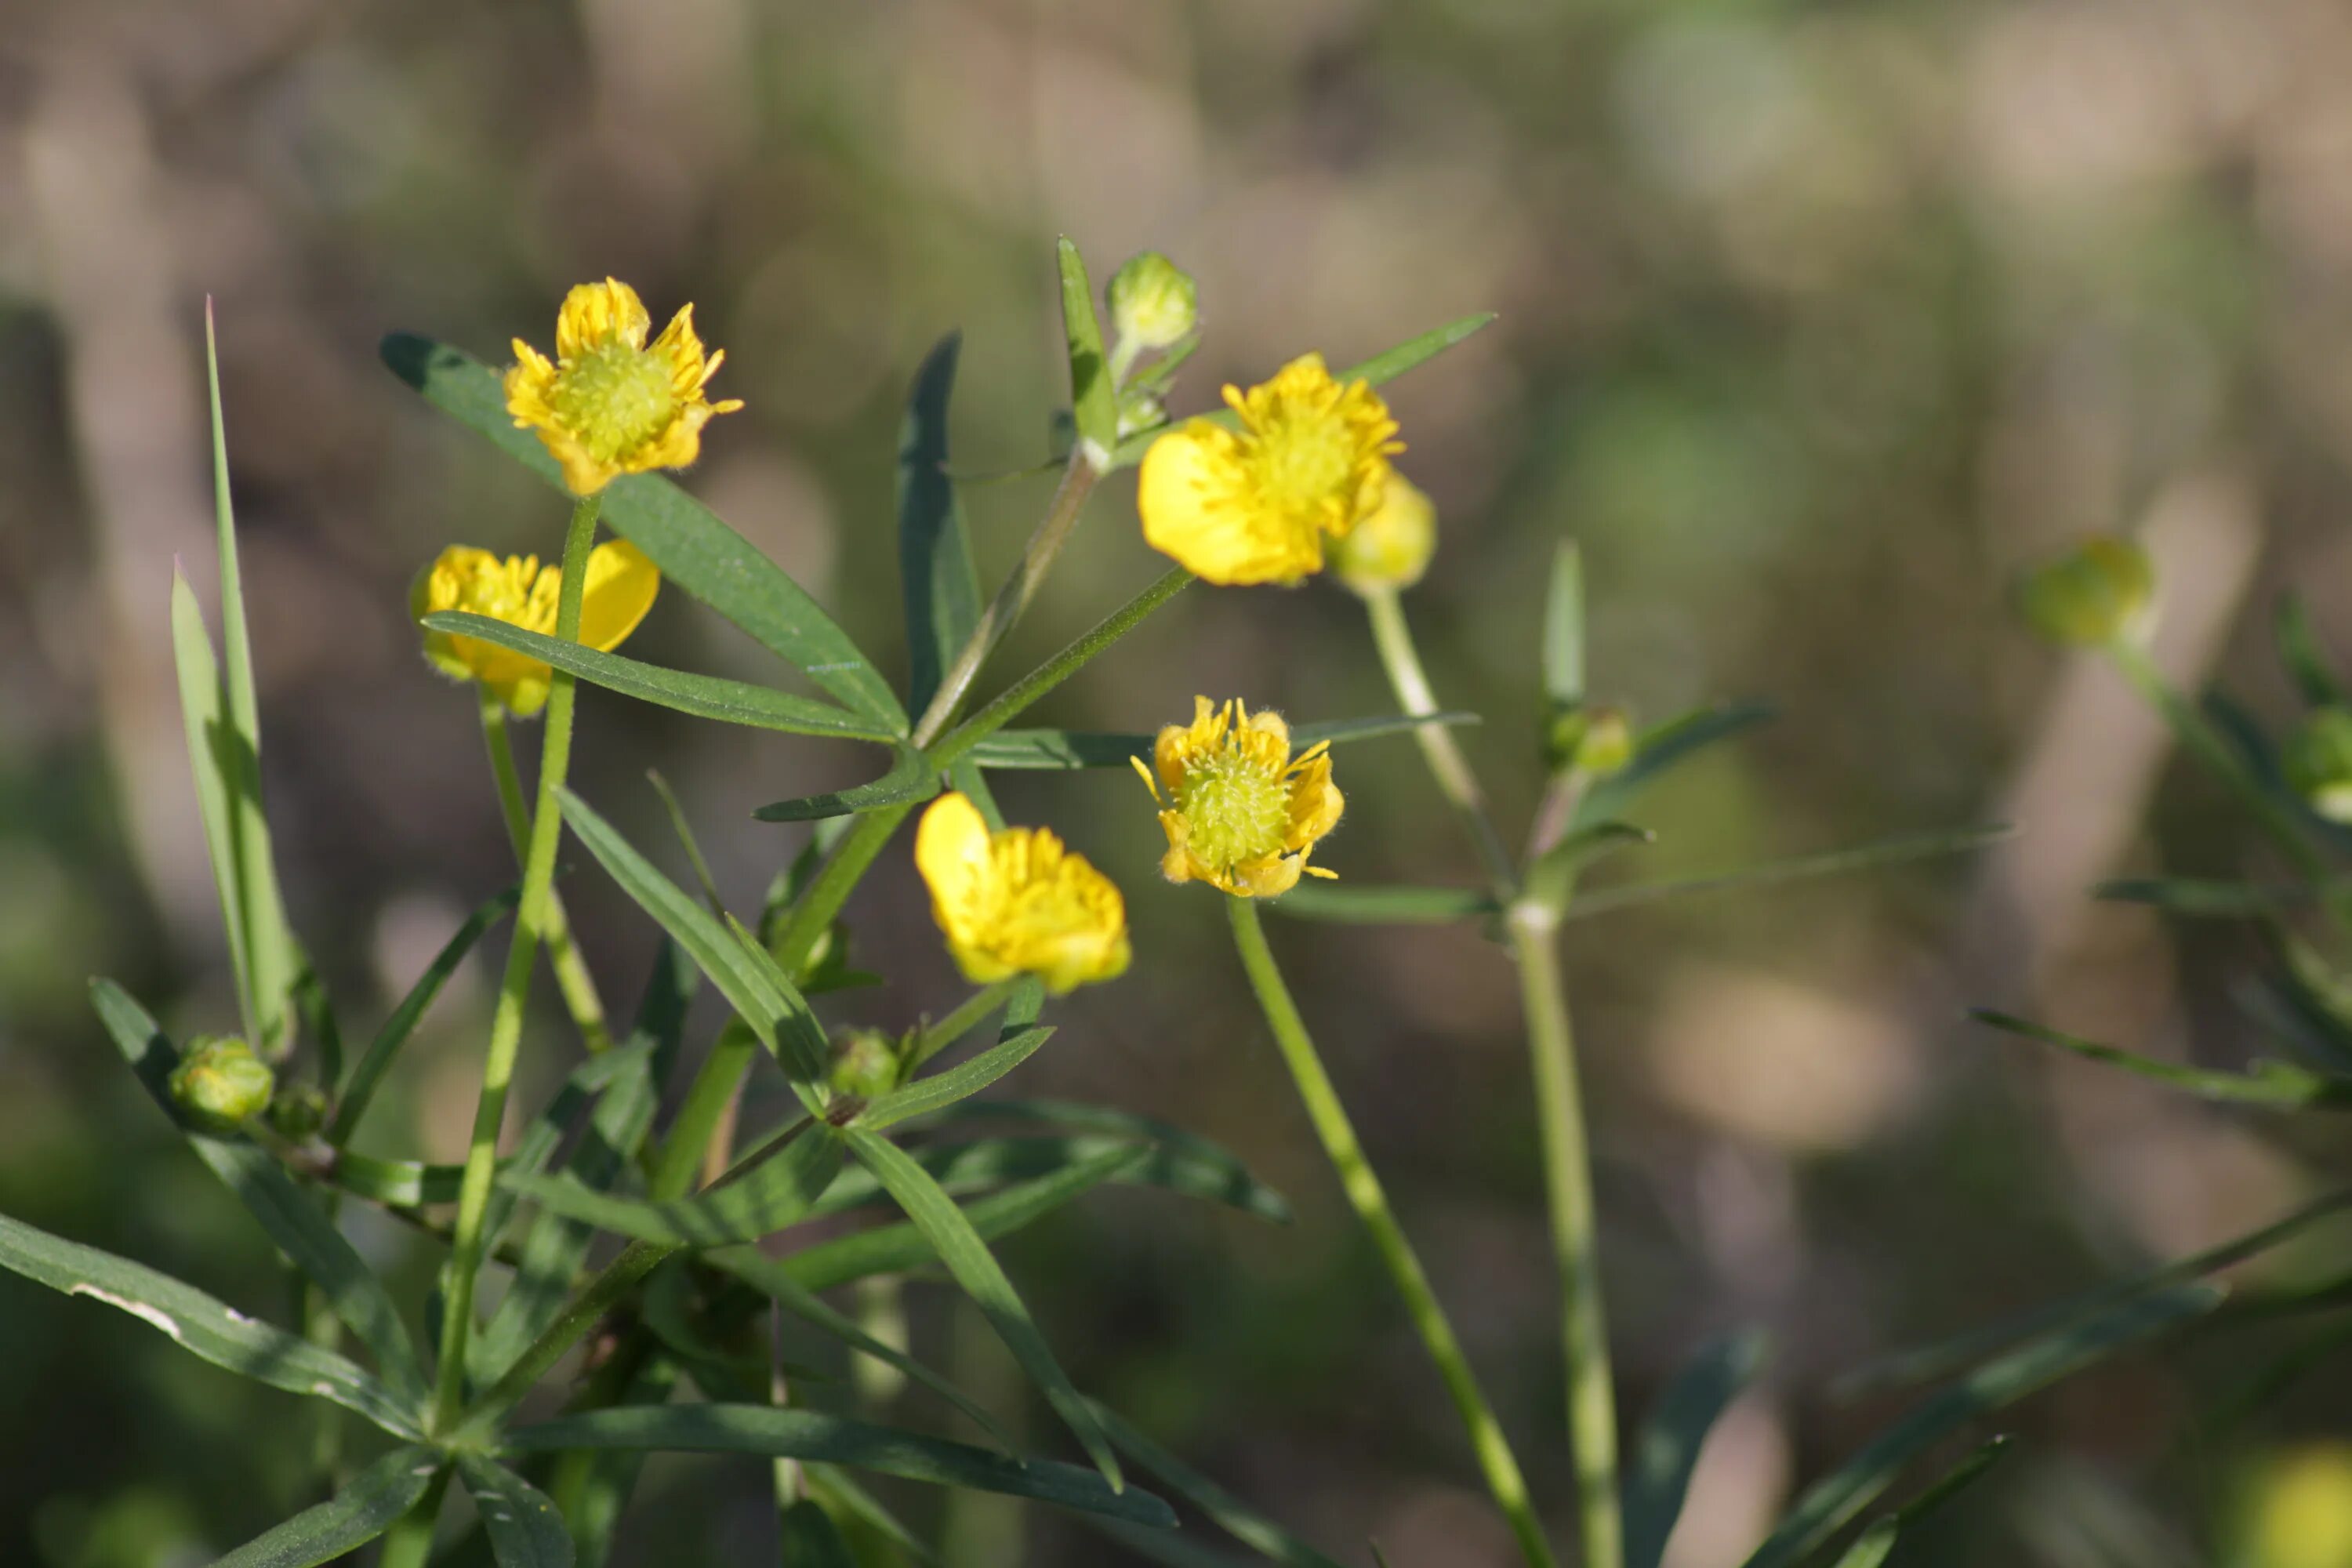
column 1817, row 321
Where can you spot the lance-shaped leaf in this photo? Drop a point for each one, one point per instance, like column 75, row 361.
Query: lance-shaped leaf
column 1843, row 862
column 1835, row 1499
column 940, row 585
column 1070, row 749
column 1660, row 749
column 367, row 1073
column 1563, row 628
column 759, row 993
column 704, row 696
column 524, row 1527
column 1093, row 400
column 300, row 1227
column 912, row 778
column 1353, row 903
column 987, row 1163
column 201, row 1325
column 696, row 551
column 975, row 1268
column 1874, row 1546
column 772, row 1195
column 2279, row 1085
column 355, row 1516
column 1235, row 1517
column 833, row 1440
column 1380, row 368
column 961, row 1081
column 1183, row 1160
column 1658, row 1477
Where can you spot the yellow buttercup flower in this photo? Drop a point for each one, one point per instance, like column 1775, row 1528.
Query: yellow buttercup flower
column 520, row 592
column 608, row 404
column 1242, row 813
column 1017, row 901
column 1310, row 462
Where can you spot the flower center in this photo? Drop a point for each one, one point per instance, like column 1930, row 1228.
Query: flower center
column 1305, row 459
column 613, row 398
column 1236, row 809
column 503, row 590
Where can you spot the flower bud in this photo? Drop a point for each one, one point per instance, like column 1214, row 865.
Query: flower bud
column 865, row 1063
column 2319, row 763
column 1139, row 409
column 1389, row 549
column 2098, row 592
column 1595, row 740
column 221, row 1082
column 299, row 1111
column 1153, row 303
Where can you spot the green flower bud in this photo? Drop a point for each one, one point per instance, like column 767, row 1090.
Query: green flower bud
column 1153, row 303
column 299, row 1111
column 865, row 1063
column 1390, row 549
column 1139, row 409
column 2319, row 763
column 1596, row 740
column 220, row 1081
column 2098, row 592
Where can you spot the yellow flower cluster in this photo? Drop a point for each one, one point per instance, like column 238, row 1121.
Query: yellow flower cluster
column 520, row 592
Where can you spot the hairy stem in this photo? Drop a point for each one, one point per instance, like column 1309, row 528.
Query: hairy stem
column 572, row 976
column 1371, row 1203
column 514, row 988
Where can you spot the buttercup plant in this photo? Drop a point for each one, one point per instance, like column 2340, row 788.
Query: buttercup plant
column 542, row 1407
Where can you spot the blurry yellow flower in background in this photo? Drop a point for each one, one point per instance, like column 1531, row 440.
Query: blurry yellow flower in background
column 520, row 592
column 1017, row 901
column 1390, row 549
column 1310, row 462
column 609, row 406
column 2302, row 1510
column 1242, row 813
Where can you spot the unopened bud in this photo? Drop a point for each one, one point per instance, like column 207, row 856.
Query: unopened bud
column 1153, row 303
column 297, row 1111
column 865, row 1063
column 1595, row 740
column 1139, row 409
column 2098, row 592
column 221, row 1082
column 2319, row 763
column 1390, row 549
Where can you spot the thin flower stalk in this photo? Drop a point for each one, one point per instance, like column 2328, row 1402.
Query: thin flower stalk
column 572, row 979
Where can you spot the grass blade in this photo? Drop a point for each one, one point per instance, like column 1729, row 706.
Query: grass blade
column 704, row 696
column 1068, row 749
column 975, row 1268
column 201, row 1325
column 351, row 1518
column 1667, row 1450
column 1831, row 1502
column 964, row 1080
column 1351, row 903
column 1798, row 868
column 367, row 1073
column 701, row 555
column 300, row 1227
column 940, row 585
column 772, row 1195
column 2278, row 1085
column 1235, row 1517
column 1093, row 400
column 524, row 1528
column 837, row 1440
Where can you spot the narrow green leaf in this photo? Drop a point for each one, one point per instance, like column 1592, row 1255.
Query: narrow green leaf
column 761, row 995
column 524, row 1527
column 834, row 1439
column 772, row 1195
column 367, row 1073
column 975, row 1268
column 964, row 1080
column 355, row 1516
column 2273, row 1083
column 394, row 1183
column 236, row 745
column 1831, row 1502
column 1070, row 749
column 300, row 1227
column 2305, row 660
column 1875, row 1545
column 912, row 778
column 832, row 1485
column 1092, row 397
column 1377, row 369
column 1659, row 750
column 696, row 551
column 2191, row 897
column 1358, row 903
column 201, row 1325
column 1797, row 868
column 1658, row 1479
column 1185, row 1161
column 1235, row 1517
column 986, row 1164
column 1552, row 878
column 1563, row 628
column 199, row 713
column 902, row 1248
column 940, row 585
column 684, row 831
column 704, row 696
column 808, row 1538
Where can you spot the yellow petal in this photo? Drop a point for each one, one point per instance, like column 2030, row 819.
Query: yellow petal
column 951, row 853
column 1187, row 494
column 620, row 589
column 594, row 314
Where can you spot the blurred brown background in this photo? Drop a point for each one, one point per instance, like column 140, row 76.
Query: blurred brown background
column 1817, row 321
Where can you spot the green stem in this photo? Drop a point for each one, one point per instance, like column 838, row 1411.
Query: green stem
column 1372, row 1206
column 813, row 911
column 572, row 976
column 1393, row 637
column 702, row 1110
column 1568, row 1188
column 938, row 1036
column 409, row 1541
column 514, row 988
